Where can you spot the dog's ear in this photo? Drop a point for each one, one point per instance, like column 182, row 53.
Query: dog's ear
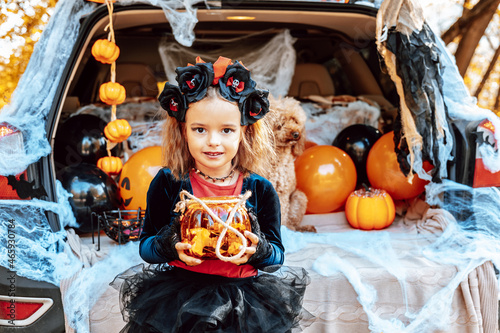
column 300, row 146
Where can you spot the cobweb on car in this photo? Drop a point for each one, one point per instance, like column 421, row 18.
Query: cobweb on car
column 272, row 63
column 40, row 253
column 143, row 117
column 182, row 22
column 325, row 123
column 37, row 253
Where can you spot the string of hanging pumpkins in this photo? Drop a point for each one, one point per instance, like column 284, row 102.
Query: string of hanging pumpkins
column 112, row 93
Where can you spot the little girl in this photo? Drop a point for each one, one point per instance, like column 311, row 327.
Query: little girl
column 214, row 145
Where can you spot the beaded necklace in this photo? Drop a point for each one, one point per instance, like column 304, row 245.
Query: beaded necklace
column 214, row 179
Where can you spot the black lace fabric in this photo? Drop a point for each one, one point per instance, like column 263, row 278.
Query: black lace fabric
column 160, row 298
column 166, row 239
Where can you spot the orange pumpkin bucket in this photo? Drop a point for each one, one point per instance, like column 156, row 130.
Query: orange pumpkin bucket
column 214, row 226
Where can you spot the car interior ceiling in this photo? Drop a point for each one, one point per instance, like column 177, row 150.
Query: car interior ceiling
column 342, row 57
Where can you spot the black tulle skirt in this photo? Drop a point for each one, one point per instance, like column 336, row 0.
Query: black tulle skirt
column 160, row 298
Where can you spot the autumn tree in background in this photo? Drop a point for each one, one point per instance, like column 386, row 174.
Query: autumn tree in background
column 29, row 19
column 478, row 64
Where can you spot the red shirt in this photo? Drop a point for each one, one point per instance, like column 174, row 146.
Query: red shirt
column 204, row 188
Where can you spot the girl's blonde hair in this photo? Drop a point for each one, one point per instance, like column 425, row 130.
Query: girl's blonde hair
column 255, row 153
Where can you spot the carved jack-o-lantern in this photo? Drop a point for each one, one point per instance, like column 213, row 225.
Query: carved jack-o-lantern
column 136, row 175
column 200, row 230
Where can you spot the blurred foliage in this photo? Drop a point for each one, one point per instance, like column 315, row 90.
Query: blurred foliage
column 26, row 20
column 488, row 98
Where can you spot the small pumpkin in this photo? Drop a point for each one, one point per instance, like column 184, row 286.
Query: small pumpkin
column 370, row 209
column 110, row 164
column 112, row 93
column 117, row 130
column 105, row 51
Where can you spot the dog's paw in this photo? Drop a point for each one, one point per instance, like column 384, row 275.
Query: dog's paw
column 306, row 228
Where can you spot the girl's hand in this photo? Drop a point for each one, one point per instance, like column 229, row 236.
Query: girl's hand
column 250, row 249
column 188, row 260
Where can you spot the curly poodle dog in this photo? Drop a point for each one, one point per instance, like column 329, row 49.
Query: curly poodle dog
column 288, row 121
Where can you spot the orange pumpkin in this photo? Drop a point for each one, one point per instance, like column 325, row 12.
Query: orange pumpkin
column 118, row 130
column 105, row 51
column 112, row 93
column 110, row 164
column 370, row 209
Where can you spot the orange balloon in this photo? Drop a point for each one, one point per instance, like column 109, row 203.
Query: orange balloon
column 383, row 171
column 327, row 176
column 137, row 173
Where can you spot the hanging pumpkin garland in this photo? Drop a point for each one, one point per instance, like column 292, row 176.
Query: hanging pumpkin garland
column 110, row 164
column 105, row 51
column 118, row 130
column 111, row 93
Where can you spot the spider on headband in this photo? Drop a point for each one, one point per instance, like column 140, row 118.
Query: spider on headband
column 233, row 80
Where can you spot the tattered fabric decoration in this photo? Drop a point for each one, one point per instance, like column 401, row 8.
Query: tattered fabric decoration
column 422, row 131
column 418, row 65
column 431, row 91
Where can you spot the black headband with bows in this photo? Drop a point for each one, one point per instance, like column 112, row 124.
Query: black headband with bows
column 233, row 80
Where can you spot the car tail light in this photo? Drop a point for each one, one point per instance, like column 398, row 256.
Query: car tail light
column 22, row 311
column 8, row 188
column 11, row 140
column 482, row 176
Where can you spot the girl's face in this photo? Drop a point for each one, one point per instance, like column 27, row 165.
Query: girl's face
column 213, row 134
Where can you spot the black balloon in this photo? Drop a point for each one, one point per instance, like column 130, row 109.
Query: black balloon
column 80, row 139
column 357, row 140
column 93, row 191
